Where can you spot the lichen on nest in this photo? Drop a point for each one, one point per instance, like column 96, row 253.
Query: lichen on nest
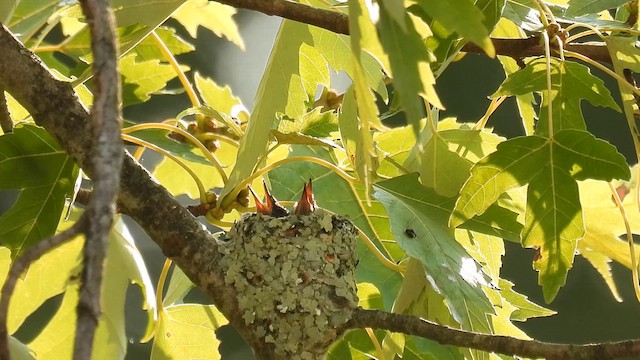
column 295, row 278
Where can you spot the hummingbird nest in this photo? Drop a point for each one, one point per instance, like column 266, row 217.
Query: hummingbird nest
column 294, row 274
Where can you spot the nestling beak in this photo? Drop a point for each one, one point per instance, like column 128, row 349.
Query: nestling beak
column 307, row 203
column 271, row 207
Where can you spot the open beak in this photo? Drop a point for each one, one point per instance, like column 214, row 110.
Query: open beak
column 307, row 203
column 271, row 206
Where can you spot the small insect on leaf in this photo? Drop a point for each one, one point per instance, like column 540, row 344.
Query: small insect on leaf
column 410, row 233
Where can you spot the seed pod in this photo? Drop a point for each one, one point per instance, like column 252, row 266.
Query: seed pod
column 306, row 286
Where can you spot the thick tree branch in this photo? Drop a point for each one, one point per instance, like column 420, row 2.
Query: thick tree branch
column 107, row 154
column 412, row 325
column 338, row 22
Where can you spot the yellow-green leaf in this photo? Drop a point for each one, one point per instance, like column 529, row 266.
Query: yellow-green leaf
column 188, row 332
column 211, row 15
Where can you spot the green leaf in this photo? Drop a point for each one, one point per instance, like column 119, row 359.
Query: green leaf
column 525, row 309
column 463, row 17
column 553, row 226
column 338, row 196
column 211, row 15
column 314, row 123
column 300, row 139
column 179, row 287
column 123, row 265
column 553, row 221
column 410, row 67
column 583, row 7
column 437, row 156
column 173, row 177
column 30, row 15
column 280, row 90
column 188, row 332
column 514, row 163
column 520, row 159
column 6, row 10
column 522, row 15
column 217, row 97
column 314, row 70
column 507, row 29
column 147, row 49
column 588, row 157
column 570, row 82
column 604, row 224
column 449, row 268
column 144, row 78
column 395, row 144
column 46, row 278
column 144, row 12
column 33, row 163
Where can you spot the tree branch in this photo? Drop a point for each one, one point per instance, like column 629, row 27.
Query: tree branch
column 333, row 21
column 411, row 325
column 338, row 22
column 55, row 106
column 107, row 154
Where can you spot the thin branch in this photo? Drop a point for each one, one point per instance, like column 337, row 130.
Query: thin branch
column 411, row 325
column 18, row 267
column 333, row 21
column 338, row 22
column 107, row 155
column 6, row 124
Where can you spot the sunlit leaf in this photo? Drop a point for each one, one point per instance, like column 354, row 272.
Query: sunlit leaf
column 30, row 15
column 280, row 90
column 34, row 164
column 6, row 10
column 449, row 268
column 582, row 7
column 553, row 221
column 463, row 17
column 410, row 67
column 314, row 123
column 147, row 49
column 570, row 81
column 525, row 308
column 188, row 332
column 123, row 266
column 217, row 97
column 144, row 78
column 211, row 15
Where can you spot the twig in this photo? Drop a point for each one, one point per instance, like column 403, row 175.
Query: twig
column 330, row 20
column 107, row 155
column 411, row 325
column 18, row 267
column 6, row 124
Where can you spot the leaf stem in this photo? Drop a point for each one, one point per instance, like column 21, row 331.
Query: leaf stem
column 632, row 251
column 201, row 189
column 547, row 56
column 378, row 254
column 495, row 103
column 161, row 280
column 208, row 154
column 376, row 343
column 176, row 67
